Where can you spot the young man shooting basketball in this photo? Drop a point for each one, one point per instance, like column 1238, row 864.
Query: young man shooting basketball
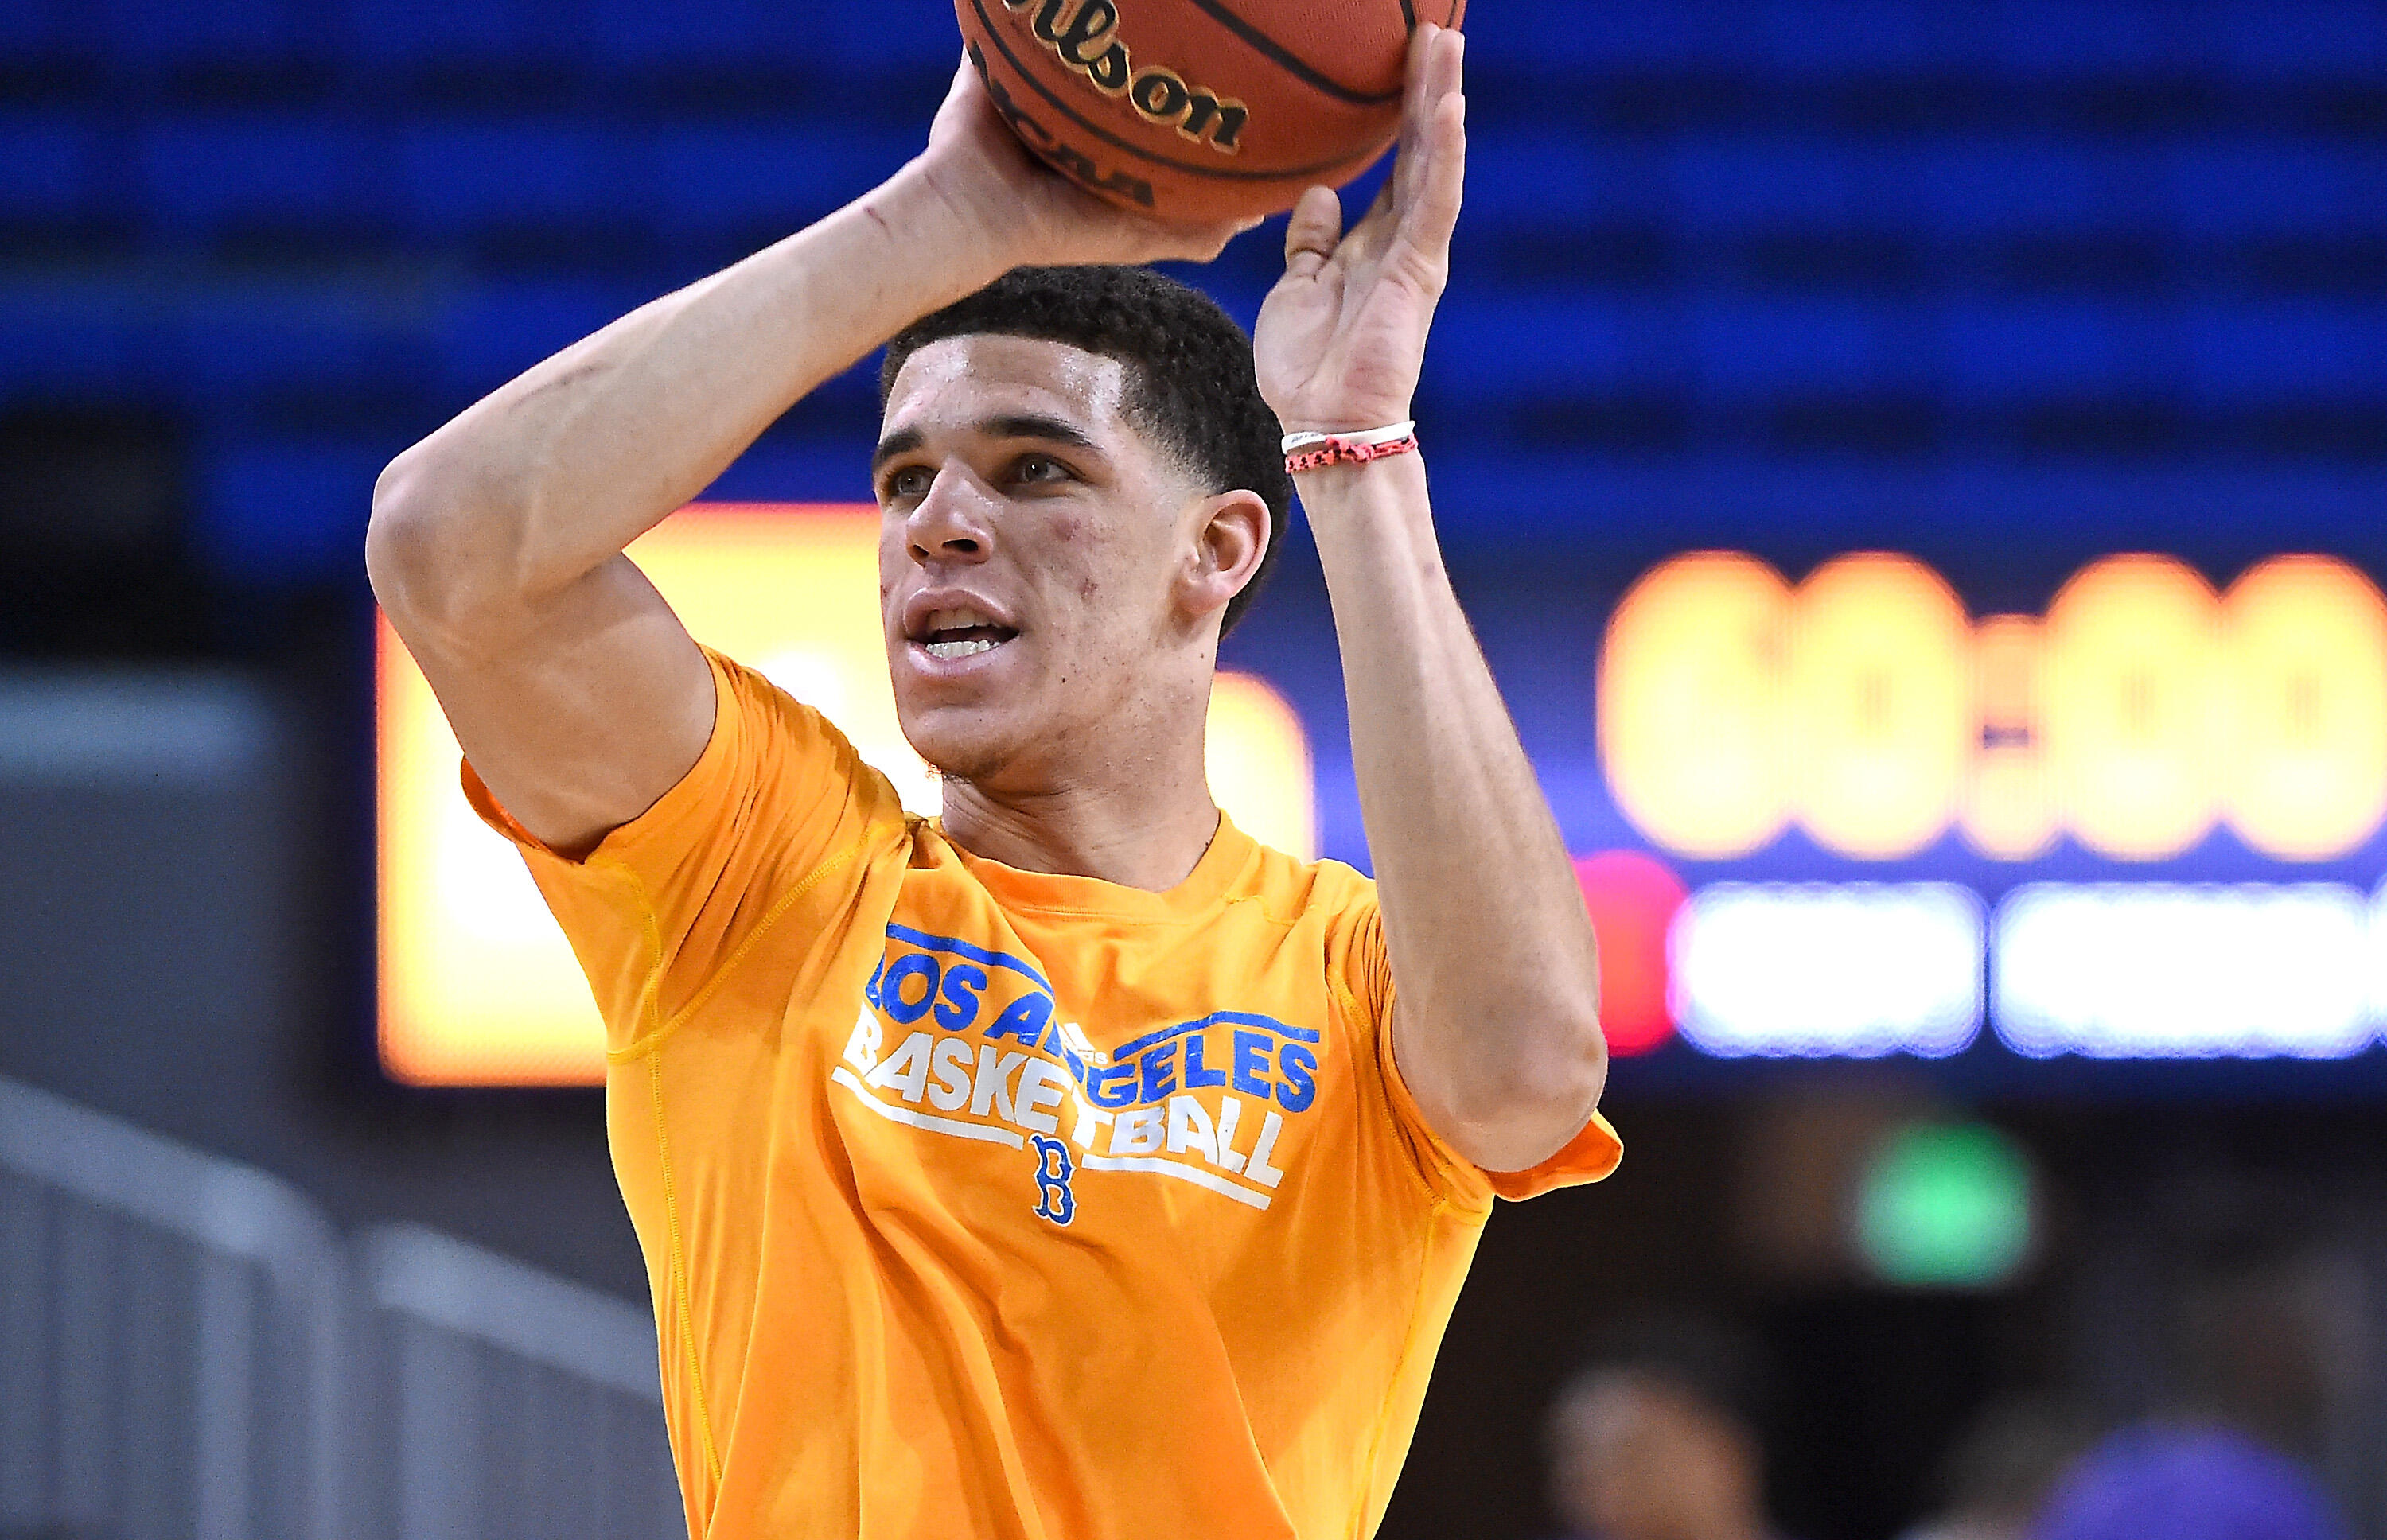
column 1067, row 1168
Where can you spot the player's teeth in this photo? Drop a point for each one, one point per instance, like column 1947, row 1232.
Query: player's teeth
column 970, row 648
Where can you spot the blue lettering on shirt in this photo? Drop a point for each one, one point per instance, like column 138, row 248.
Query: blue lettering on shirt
column 892, row 999
column 1159, row 1072
column 963, row 983
column 1054, row 1200
column 1198, row 1074
column 1023, row 1018
column 1266, row 1060
column 1114, row 1086
column 1297, row 1065
column 1251, row 1057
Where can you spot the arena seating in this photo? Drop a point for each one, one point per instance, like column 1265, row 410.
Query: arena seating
column 2062, row 234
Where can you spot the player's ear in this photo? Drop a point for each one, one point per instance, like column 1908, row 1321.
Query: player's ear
column 1230, row 536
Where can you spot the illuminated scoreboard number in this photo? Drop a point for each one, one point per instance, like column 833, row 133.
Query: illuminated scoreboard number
column 1867, row 706
column 477, row 985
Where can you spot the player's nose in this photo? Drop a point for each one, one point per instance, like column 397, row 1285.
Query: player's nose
column 953, row 523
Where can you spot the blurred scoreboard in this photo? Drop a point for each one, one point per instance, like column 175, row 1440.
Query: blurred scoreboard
column 2143, row 825
column 1866, row 707
column 476, row 984
column 1845, row 817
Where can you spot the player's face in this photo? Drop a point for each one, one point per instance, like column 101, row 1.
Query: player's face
column 1030, row 549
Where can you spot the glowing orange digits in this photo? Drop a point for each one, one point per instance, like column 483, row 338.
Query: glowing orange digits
column 1865, row 706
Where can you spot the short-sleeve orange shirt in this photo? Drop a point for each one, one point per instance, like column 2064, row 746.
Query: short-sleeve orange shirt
column 990, row 1203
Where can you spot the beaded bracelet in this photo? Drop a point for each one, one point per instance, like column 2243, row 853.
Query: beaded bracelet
column 1307, row 452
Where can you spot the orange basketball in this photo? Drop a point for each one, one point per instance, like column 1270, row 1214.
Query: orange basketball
column 1199, row 111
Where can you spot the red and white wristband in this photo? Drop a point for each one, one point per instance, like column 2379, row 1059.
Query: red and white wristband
column 1307, row 452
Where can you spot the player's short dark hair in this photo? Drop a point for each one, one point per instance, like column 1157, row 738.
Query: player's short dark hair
column 1188, row 370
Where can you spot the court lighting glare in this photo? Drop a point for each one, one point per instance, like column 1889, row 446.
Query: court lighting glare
column 1633, row 900
column 2177, row 970
column 1810, row 970
column 1946, row 1206
column 477, row 985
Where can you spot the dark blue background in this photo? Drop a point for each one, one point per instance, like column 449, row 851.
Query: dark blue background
column 2007, row 287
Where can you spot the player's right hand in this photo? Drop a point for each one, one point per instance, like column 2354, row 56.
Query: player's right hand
column 1031, row 212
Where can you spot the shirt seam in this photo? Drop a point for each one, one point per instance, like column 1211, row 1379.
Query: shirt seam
column 1400, row 1363
column 684, row 1318
column 647, row 1045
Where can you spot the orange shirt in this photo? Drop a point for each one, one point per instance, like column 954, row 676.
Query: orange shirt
column 984, row 1202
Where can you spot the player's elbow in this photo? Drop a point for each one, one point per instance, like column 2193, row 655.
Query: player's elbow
column 436, row 552
column 1533, row 1099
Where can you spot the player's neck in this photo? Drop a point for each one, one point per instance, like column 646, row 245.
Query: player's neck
column 1139, row 831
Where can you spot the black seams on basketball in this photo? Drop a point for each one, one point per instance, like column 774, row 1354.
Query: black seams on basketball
column 1199, row 111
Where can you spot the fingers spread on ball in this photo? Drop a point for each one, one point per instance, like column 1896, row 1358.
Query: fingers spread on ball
column 1430, row 211
column 1413, row 68
column 1431, row 168
column 1312, row 233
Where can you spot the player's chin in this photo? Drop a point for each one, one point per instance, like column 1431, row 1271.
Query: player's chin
column 962, row 749
column 965, row 739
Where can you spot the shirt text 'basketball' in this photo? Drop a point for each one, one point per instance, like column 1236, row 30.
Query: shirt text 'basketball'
column 985, row 1057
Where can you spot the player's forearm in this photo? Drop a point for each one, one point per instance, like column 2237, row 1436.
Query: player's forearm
column 545, row 478
column 1498, row 1019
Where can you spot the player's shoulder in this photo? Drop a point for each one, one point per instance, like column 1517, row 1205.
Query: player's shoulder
column 789, row 745
column 755, row 690
column 755, row 702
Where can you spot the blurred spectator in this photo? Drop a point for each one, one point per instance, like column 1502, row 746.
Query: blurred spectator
column 1995, row 1480
column 1658, row 1438
column 2181, row 1481
column 2263, row 1337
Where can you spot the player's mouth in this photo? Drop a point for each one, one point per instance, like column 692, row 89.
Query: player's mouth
column 954, row 633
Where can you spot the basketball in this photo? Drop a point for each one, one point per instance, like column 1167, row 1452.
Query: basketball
column 1199, row 111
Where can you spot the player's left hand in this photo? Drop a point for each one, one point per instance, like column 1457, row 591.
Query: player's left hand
column 1014, row 205
column 1343, row 333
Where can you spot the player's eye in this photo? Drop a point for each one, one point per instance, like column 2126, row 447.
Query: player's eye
column 1041, row 468
column 909, row 484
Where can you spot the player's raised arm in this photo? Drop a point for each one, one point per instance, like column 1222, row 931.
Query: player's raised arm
column 496, row 544
column 1496, row 1025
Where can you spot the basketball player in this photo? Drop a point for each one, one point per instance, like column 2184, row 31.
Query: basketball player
column 1070, row 1166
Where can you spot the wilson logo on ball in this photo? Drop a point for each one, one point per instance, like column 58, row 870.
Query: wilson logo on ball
column 1084, row 34
column 1043, row 141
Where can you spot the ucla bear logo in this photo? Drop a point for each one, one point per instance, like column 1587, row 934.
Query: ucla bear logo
column 1054, row 1201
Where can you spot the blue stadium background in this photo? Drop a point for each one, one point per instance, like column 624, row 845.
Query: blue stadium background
column 1977, row 274
column 2006, row 285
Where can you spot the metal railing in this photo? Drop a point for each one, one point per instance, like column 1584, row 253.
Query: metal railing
column 172, row 1338
column 507, row 1403
column 186, row 1354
